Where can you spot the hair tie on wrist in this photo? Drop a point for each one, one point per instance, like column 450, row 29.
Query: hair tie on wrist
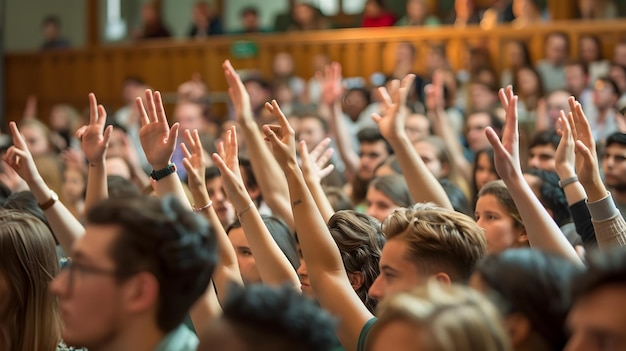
column 203, row 207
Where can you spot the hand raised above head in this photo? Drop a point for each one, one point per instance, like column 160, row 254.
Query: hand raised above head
column 565, row 157
column 315, row 163
column 282, row 137
column 227, row 161
column 238, row 93
column 94, row 137
column 158, row 140
column 391, row 122
column 19, row 157
column 194, row 161
column 506, row 152
column 331, row 82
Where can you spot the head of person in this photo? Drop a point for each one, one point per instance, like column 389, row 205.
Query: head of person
column 497, row 214
column 338, row 198
column 64, row 118
column 268, row 318
column 215, row 187
column 360, row 241
column 484, row 170
column 247, row 265
column 417, row 126
column 605, row 93
column 464, row 8
column 527, row 82
column 619, row 53
column 617, row 73
column 576, row 77
column 542, row 150
column 385, row 194
column 405, row 53
column 201, row 13
column 456, row 196
column 37, row 136
column 438, row 317
column 517, row 54
column 373, row 150
column 557, row 48
column 312, row 129
column 249, row 17
column 427, row 241
column 589, row 48
column 483, row 95
column 475, row 125
column 132, row 87
column 141, row 264
column 304, row 14
column 29, row 318
column 526, row 9
column 51, row 26
column 545, row 185
column 556, row 102
column 355, row 101
column 190, row 116
column 283, row 65
column 595, row 320
column 531, row 288
column 416, row 10
column 614, row 162
column 74, row 184
column 260, row 92
column 435, row 155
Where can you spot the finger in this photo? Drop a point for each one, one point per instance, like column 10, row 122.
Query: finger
column 504, row 100
column 220, row 149
column 583, row 150
column 233, row 140
column 80, row 132
column 186, row 152
column 394, row 91
column 319, row 148
column 93, row 111
column 572, row 127
column 102, row 115
column 189, row 138
column 326, row 170
column 336, row 70
column 584, row 123
column 384, row 96
column 494, row 140
column 377, row 118
column 152, row 115
column 270, row 134
column 197, row 144
column 219, row 163
column 107, row 135
column 188, row 166
column 173, row 135
column 18, row 139
column 143, row 115
column 405, row 88
column 158, row 101
column 281, row 116
column 304, row 152
column 325, row 157
column 269, row 107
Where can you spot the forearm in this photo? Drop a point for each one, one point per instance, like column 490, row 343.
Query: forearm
column 66, row 228
column 97, row 187
column 171, row 185
column 608, row 223
column 582, row 221
column 206, row 308
column 339, row 130
column 443, row 129
column 423, row 185
column 321, row 200
column 542, row 231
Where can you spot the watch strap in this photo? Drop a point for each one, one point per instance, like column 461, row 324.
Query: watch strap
column 158, row 174
column 53, row 199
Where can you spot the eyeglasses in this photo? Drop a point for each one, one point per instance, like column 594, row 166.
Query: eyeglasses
column 72, row 267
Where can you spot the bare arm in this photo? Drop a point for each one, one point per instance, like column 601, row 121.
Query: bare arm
column 313, row 170
column 65, row 226
column 274, row 267
column 268, row 174
column 543, row 233
column 423, row 185
column 326, row 272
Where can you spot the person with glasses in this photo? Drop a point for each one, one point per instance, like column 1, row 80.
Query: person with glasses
column 132, row 278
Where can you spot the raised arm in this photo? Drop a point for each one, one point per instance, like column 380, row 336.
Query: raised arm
column 325, row 268
column 543, row 233
column 227, row 269
column 332, row 91
column 158, row 141
column 267, row 172
column 423, row 185
column 64, row 225
column 608, row 223
column 314, row 168
column 274, row 267
column 94, row 139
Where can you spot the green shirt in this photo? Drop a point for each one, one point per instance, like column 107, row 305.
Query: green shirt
column 179, row 339
column 365, row 333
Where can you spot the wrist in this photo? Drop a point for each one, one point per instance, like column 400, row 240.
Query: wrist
column 565, row 173
column 160, row 165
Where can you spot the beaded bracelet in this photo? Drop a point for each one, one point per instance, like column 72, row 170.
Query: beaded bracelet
column 203, row 207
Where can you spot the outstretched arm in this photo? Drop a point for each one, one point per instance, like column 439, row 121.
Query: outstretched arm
column 95, row 141
column 158, row 141
column 274, row 267
column 423, row 185
column 65, row 226
column 227, row 269
column 543, row 233
column 326, row 272
column 313, row 170
column 267, row 172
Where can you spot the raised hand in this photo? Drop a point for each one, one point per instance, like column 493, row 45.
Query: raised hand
column 238, row 93
column 391, row 125
column 331, row 83
column 94, row 137
column 506, row 152
column 586, row 156
column 434, row 93
column 19, row 157
column 565, row 157
column 11, row 179
column 282, row 137
column 157, row 138
column 315, row 163
column 227, row 160
column 194, row 161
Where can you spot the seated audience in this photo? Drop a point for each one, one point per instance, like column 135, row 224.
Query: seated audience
column 204, row 21
column 51, row 28
column 417, row 15
column 375, row 15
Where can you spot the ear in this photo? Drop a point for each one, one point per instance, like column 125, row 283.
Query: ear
column 356, row 280
column 445, row 169
column 442, row 278
column 141, row 292
column 523, row 237
column 518, row 328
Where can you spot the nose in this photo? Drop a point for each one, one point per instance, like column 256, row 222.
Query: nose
column 376, row 290
column 302, row 272
column 533, row 162
column 58, row 285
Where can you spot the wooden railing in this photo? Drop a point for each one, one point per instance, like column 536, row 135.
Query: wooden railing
column 68, row 76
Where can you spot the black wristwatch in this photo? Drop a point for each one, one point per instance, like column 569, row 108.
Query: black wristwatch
column 158, row 174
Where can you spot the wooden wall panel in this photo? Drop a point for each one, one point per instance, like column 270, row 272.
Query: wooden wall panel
column 69, row 76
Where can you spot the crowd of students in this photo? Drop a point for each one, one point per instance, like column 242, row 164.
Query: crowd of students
column 433, row 227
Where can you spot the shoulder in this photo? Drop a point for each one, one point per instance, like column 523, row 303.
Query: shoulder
column 365, row 331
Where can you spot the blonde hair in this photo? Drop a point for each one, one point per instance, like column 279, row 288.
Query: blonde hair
column 29, row 263
column 446, row 318
column 438, row 239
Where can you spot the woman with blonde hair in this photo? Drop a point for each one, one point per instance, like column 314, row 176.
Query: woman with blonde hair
column 438, row 317
column 28, row 311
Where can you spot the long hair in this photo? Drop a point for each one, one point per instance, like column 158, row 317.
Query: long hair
column 29, row 262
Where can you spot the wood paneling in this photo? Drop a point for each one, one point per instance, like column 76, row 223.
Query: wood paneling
column 68, row 76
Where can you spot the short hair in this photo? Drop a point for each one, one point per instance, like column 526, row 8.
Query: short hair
column 362, row 91
column 545, row 137
column 51, row 20
column 552, row 195
column 281, row 234
column 360, row 241
column 211, row 173
column 563, row 35
column 439, row 240
column 604, row 268
column 498, row 189
column 450, row 317
column 369, row 135
column 456, row 196
column 616, row 138
column 264, row 84
column 578, row 63
column 535, row 284
column 278, row 319
column 490, row 156
column 338, row 198
column 395, row 188
column 322, row 121
column 168, row 241
column 120, row 187
column 249, row 10
column 611, row 83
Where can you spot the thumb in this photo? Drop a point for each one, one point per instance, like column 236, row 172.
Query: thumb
column 494, row 140
column 583, row 150
column 107, row 135
column 303, row 150
column 173, row 136
column 270, row 135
